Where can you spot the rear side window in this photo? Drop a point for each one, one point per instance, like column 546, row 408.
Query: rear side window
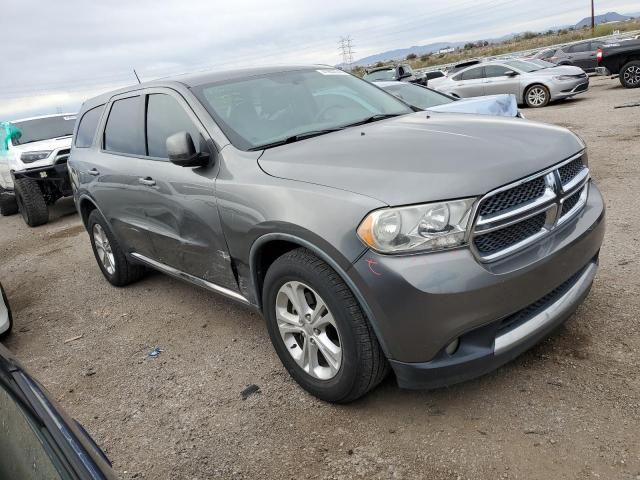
column 88, row 126
column 580, row 47
column 165, row 116
column 124, row 133
column 492, row 71
column 471, row 74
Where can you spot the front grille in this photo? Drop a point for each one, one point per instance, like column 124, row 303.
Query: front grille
column 497, row 240
column 518, row 318
column 512, row 218
column 513, row 197
column 570, row 202
column 569, row 171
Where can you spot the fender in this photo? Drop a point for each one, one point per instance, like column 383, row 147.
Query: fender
column 342, row 272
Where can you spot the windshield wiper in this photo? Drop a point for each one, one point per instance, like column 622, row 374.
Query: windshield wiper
column 295, row 138
column 374, row 118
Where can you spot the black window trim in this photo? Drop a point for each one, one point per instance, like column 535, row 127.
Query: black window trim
column 97, row 129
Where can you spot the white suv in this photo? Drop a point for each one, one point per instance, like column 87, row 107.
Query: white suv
column 33, row 165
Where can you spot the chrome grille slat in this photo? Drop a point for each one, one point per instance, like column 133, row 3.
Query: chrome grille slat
column 514, row 216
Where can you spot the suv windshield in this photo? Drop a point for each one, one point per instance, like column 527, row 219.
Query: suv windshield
column 44, row 129
column 387, row 74
column 523, row 66
column 280, row 107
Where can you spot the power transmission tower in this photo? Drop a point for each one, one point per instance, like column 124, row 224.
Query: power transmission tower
column 346, row 47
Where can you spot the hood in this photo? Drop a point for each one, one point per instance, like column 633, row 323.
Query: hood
column 559, row 70
column 50, row 144
column 424, row 157
column 499, row 105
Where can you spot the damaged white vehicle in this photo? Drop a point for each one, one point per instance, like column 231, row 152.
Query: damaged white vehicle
column 33, row 165
column 6, row 322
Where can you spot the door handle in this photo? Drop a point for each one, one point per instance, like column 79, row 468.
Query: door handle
column 148, row 181
column 94, row 172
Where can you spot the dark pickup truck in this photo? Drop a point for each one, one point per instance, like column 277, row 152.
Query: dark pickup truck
column 622, row 59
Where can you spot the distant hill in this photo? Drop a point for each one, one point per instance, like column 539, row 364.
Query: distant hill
column 607, row 17
column 401, row 53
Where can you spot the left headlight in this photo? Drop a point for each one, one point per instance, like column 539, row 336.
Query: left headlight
column 428, row 227
column 30, row 157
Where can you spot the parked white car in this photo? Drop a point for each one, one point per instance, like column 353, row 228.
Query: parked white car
column 33, row 165
column 6, row 322
column 533, row 84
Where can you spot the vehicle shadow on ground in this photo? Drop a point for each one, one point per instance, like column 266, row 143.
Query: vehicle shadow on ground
column 62, row 208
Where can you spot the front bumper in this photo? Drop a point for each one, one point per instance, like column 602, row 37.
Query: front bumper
column 569, row 89
column 419, row 304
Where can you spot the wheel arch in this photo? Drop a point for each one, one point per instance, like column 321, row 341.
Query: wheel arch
column 267, row 248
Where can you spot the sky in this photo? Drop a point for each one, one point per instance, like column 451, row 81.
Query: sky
column 56, row 54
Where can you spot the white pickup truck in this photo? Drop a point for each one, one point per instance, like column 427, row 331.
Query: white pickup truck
column 33, row 165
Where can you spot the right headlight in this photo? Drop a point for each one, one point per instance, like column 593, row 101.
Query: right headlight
column 428, row 227
column 30, row 157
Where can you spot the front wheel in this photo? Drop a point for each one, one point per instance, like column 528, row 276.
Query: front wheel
column 8, row 204
column 630, row 74
column 31, row 202
column 537, row 96
column 319, row 330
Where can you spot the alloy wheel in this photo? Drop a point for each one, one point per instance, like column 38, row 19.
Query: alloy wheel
column 537, row 96
column 309, row 330
column 632, row 76
column 103, row 249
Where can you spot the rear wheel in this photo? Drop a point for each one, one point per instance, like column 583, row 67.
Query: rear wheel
column 113, row 262
column 319, row 330
column 31, row 202
column 630, row 74
column 8, row 204
column 537, row 96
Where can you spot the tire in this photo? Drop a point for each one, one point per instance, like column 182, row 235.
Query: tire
column 3, row 298
column 362, row 364
column 630, row 74
column 537, row 96
column 30, row 202
column 117, row 269
column 8, row 204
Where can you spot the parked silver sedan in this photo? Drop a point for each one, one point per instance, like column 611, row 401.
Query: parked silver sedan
column 533, row 84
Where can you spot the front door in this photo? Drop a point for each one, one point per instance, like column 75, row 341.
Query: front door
column 182, row 217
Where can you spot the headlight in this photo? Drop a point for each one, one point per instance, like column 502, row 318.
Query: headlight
column 565, row 77
column 30, row 157
column 429, row 227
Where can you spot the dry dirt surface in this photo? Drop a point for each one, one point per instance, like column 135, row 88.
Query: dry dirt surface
column 567, row 409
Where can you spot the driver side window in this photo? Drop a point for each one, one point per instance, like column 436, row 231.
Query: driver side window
column 165, row 117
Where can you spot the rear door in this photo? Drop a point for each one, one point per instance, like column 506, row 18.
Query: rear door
column 469, row 83
column 497, row 82
column 116, row 169
column 182, row 213
column 579, row 54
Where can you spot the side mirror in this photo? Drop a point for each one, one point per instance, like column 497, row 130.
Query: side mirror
column 511, row 73
column 182, row 151
column 404, row 75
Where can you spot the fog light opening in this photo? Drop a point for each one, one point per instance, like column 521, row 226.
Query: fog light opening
column 453, row 347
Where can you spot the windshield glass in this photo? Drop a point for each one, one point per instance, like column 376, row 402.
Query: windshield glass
column 523, row 66
column 417, row 96
column 381, row 75
column 265, row 109
column 44, row 129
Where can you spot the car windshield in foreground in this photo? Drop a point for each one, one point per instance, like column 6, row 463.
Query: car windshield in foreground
column 417, row 96
column 44, row 129
column 381, row 75
column 523, row 66
column 283, row 107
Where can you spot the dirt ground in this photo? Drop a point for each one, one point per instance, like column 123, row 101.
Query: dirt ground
column 567, row 409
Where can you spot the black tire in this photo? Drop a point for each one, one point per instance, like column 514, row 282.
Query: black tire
column 543, row 94
column 630, row 74
column 31, row 203
column 4, row 334
column 8, row 204
column 125, row 272
column 363, row 364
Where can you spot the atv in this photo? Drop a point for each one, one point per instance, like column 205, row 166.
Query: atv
column 33, row 165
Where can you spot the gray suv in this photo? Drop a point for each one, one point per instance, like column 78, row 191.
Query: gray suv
column 582, row 54
column 368, row 234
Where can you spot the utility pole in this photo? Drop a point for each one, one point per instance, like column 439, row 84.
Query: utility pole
column 346, row 47
column 593, row 17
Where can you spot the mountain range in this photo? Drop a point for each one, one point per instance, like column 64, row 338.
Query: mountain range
column 401, row 53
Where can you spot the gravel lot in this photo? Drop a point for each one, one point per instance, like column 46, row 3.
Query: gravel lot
column 568, row 409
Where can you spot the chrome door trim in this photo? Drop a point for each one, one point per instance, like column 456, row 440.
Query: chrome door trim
column 174, row 272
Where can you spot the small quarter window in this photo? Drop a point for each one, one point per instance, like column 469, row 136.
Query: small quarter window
column 87, row 127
